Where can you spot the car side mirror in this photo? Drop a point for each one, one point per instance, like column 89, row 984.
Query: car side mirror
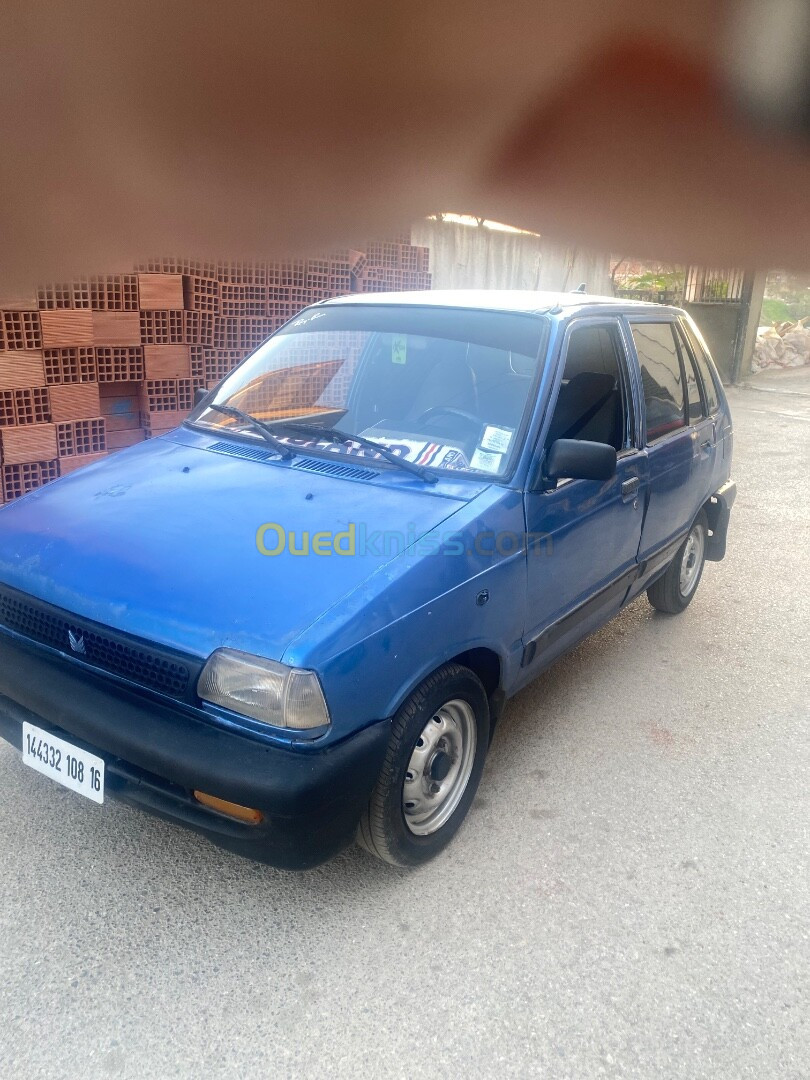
column 200, row 395
column 577, row 459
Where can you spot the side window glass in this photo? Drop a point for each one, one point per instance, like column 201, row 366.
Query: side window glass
column 661, row 377
column 705, row 369
column 592, row 402
column 694, row 399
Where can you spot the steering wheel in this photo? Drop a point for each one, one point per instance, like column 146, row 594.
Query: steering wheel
column 447, row 410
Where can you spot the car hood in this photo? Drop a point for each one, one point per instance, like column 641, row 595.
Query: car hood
column 160, row 541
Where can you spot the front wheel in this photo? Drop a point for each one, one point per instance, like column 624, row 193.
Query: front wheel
column 432, row 768
column 673, row 592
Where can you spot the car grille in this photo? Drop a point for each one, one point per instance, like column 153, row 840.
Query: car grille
column 119, row 654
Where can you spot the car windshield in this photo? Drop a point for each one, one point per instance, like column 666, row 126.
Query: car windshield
column 442, row 388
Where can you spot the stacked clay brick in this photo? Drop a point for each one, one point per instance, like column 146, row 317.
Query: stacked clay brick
column 106, row 362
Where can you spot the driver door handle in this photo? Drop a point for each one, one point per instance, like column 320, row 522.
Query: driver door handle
column 630, row 487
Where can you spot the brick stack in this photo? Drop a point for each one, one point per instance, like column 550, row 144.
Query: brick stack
column 390, row 265
column 103, row 363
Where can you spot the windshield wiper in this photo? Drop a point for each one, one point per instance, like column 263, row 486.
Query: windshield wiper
column 338, row 436
column 258, row 425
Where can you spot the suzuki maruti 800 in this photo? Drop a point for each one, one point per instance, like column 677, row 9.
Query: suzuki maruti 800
column 294, row 620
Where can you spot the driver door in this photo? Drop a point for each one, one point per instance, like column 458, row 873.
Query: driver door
column 583, row 557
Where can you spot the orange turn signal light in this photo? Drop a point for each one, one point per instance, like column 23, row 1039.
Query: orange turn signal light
column 232, row 809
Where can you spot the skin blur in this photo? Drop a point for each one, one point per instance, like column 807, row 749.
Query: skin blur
column 264, row 128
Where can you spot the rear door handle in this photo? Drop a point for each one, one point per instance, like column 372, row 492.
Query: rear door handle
column 707, row 444
column 630, row 487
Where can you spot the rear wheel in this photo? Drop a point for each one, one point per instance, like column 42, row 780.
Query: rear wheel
column 431, row 771
column 673, row 592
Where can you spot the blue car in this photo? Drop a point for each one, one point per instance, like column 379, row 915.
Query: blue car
column 293, row 622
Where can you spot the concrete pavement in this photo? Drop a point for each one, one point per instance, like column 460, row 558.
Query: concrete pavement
column 628, row 899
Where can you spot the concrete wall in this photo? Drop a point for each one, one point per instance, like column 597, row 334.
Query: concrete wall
column 756, row 283
column 476, row 257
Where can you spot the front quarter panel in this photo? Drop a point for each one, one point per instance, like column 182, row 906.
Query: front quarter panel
column 462, row 586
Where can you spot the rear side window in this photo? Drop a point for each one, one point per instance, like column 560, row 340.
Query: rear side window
column 692, row 390
column 661, row 377
column 704, row 367
column 694, row 400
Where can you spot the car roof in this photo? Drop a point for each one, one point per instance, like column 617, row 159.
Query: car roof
column 517, row 300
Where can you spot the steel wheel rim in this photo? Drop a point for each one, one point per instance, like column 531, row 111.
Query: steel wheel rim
column 439, row 768
column 692, row 560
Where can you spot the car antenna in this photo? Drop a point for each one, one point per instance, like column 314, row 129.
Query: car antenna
column 581, row 288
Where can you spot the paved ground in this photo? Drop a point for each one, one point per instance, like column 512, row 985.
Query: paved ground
column 629, row 898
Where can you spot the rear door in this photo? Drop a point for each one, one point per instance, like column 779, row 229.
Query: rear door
column 714, row 401
column 671, row 442
column 701, row 421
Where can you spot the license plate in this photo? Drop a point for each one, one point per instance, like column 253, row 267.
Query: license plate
column 63, row 762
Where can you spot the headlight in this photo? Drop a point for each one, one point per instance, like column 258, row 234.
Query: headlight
column 273, row 693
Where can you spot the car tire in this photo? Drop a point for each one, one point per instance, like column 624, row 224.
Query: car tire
column 432, row 768
column 673, row 591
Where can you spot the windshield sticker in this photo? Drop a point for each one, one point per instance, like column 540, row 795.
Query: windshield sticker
column 486, row 462
column 310, row 316
column 399, row 349
column 497, row 439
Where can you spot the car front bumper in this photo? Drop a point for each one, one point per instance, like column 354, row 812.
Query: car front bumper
column 156, row 754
